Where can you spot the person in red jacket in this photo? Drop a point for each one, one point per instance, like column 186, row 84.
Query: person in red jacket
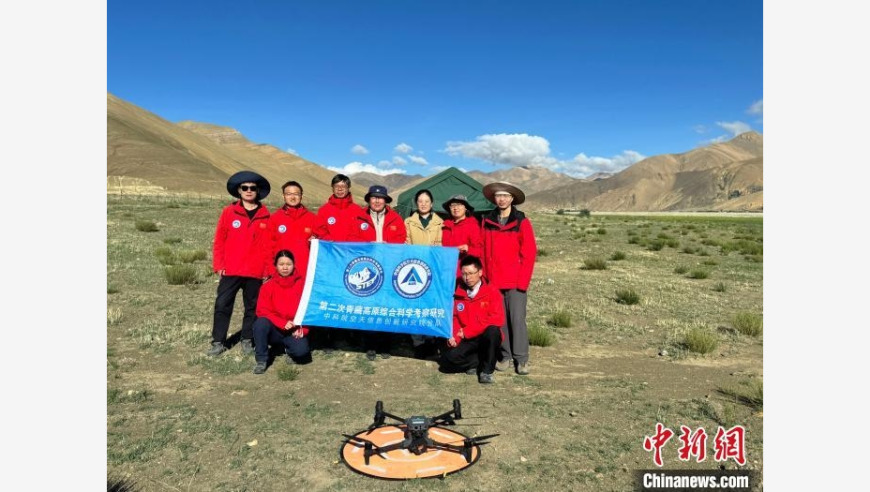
column 276, row 308
column 509, row 252
column 339, row 210
column 240, row 256
column 292, row 227
column 462, row 230
column 478, row 314
column 378, row 223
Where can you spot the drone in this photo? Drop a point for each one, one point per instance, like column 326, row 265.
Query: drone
column 423, row 437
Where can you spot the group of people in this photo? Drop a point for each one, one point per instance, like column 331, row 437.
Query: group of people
column 265, row 255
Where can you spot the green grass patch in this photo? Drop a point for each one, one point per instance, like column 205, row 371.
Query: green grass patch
column 700, row 340
column 172, row 240
column 541, row 336
column 111, row 289
column 602, row 231
column 288, row 373
column 699, row 273
column 364, row 365
column 719, row 287
column 710, row 262
column 146, row 226
column 191, row 256
column 655, row 245
column 748, row 323
column 617, row 256
column 543, row 252
column 560, row 319
column 181, row 275
column 748, row 392
column 165, row 255
column 681, row 269
column 595, row 264
column 627, row 296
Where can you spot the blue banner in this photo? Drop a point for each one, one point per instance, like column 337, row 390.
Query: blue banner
column 395, row 288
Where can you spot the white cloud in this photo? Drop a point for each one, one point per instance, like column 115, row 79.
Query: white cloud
column 734, row 127
column 438, row 169
column 757, row 108
column 359, row 167
column 291, row 151
column 719, row 139
column 418, row 160
column 403, row 148
column 517, row 149
column 399, row 161
column 700, row 129
column 359, row 150
column 583, row 165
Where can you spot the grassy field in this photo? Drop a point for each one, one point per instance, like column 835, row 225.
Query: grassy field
column 639, row 320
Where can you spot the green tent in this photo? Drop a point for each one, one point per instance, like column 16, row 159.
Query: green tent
column 444, row 185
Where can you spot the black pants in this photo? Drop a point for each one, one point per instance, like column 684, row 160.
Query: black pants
column 266, row 334
column 379, row 341
column 227, row 289
column 480, row 352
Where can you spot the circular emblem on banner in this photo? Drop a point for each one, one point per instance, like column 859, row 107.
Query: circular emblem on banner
column 411, row 278
column 237, row 223
column 282, row 228
column 330, row 221
column 363, row 276
column 460, row 307
column 364, row 226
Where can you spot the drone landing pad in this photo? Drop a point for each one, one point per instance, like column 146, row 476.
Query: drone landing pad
column 400, row 464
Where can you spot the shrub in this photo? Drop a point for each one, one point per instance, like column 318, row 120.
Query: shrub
column 703, row 252
column 719, row 287
column 672, row 243
column 181, row 274
column 701, row 341
column 681, row 269
column 561, row 211
column 540, row 336
column 543, row 252
column 748, row 323
column 111, row 289
column 172, row 240
column 146, row 226
column 114, row 316
column 699, row 273
column 561, row 318
column 627, row 296
column 617, row 255
column 749, row 392
column 594, row 264
column 192, row 255
column 288, row 373
column 601, row 231
column 656, row 245
column 585, row 213
column 165, row 255
column 689, row 250
column 633, row 240
column 710, row 262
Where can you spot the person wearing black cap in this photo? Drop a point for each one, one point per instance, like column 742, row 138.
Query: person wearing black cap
column 509, row 251
column 378, row 223
column 462, row 230
column 240, row 257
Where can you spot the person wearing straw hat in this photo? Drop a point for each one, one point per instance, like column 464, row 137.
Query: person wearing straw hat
column 378, row 223
column 240, row 257
column 461, row 230
column 509, row 251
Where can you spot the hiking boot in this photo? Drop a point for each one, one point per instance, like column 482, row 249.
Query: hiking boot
column 472, row 371
column 503, row 365
column 485, row 378
column 523, row 369
column 260, row 368
column 247, row 346
column 289, row 360
column 217, row 348
column 370, row 355
column 420, row 352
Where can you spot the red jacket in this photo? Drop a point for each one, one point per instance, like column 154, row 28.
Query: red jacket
column 291, row 228
column 473, row 316
column 509, row 251
column 241, row 245
column 338, row 213
column 279, row 299
column 363, row 230
column 466, row 231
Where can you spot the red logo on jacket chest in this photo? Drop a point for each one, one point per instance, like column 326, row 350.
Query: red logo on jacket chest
column 262, row 225
column 392, row 228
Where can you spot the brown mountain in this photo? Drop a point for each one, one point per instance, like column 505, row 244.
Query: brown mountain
column 530, row 179
column 148, row 154
column 394, row 182
column 722, row 176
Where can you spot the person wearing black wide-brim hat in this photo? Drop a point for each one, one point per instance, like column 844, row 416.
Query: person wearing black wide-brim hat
column 509, row 251
column 240, row 257
column 461, row 230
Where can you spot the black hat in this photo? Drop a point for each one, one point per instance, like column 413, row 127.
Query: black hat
column 458, row 198
column 378, row 190
column 240, row 177
column 491, row 189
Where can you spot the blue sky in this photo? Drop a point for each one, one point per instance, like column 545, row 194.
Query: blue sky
column 579, row 87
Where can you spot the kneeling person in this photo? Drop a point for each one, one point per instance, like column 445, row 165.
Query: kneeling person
column 478, row 314
column 276, row 308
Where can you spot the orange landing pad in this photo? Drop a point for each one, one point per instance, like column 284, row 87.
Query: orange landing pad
column 400, row 464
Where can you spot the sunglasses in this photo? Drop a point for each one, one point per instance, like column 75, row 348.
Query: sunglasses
column 248, row 188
